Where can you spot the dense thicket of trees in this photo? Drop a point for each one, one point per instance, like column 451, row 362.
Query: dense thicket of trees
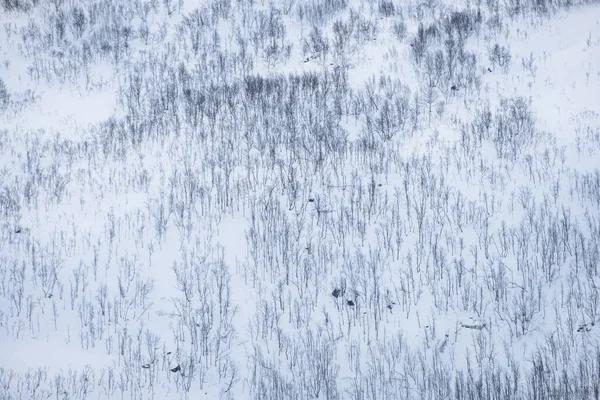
column 270, row 215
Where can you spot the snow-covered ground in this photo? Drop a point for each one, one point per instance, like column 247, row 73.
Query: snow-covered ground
column 299, row 199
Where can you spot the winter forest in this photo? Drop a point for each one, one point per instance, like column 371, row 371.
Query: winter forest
column 300, row 199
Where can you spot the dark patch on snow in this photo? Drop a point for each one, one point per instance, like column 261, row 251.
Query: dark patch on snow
column 585, row 327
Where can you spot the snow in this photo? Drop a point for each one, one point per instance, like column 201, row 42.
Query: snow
column 183, row 220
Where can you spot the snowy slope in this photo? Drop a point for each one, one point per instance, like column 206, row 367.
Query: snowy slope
column 299, row 199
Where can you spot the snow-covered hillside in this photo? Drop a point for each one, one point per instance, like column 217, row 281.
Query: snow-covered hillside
column 299, row 199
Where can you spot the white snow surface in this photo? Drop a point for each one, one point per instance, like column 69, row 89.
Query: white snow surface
column 134, row 239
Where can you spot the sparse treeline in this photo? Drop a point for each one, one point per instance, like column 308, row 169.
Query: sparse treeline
column 377, row 257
